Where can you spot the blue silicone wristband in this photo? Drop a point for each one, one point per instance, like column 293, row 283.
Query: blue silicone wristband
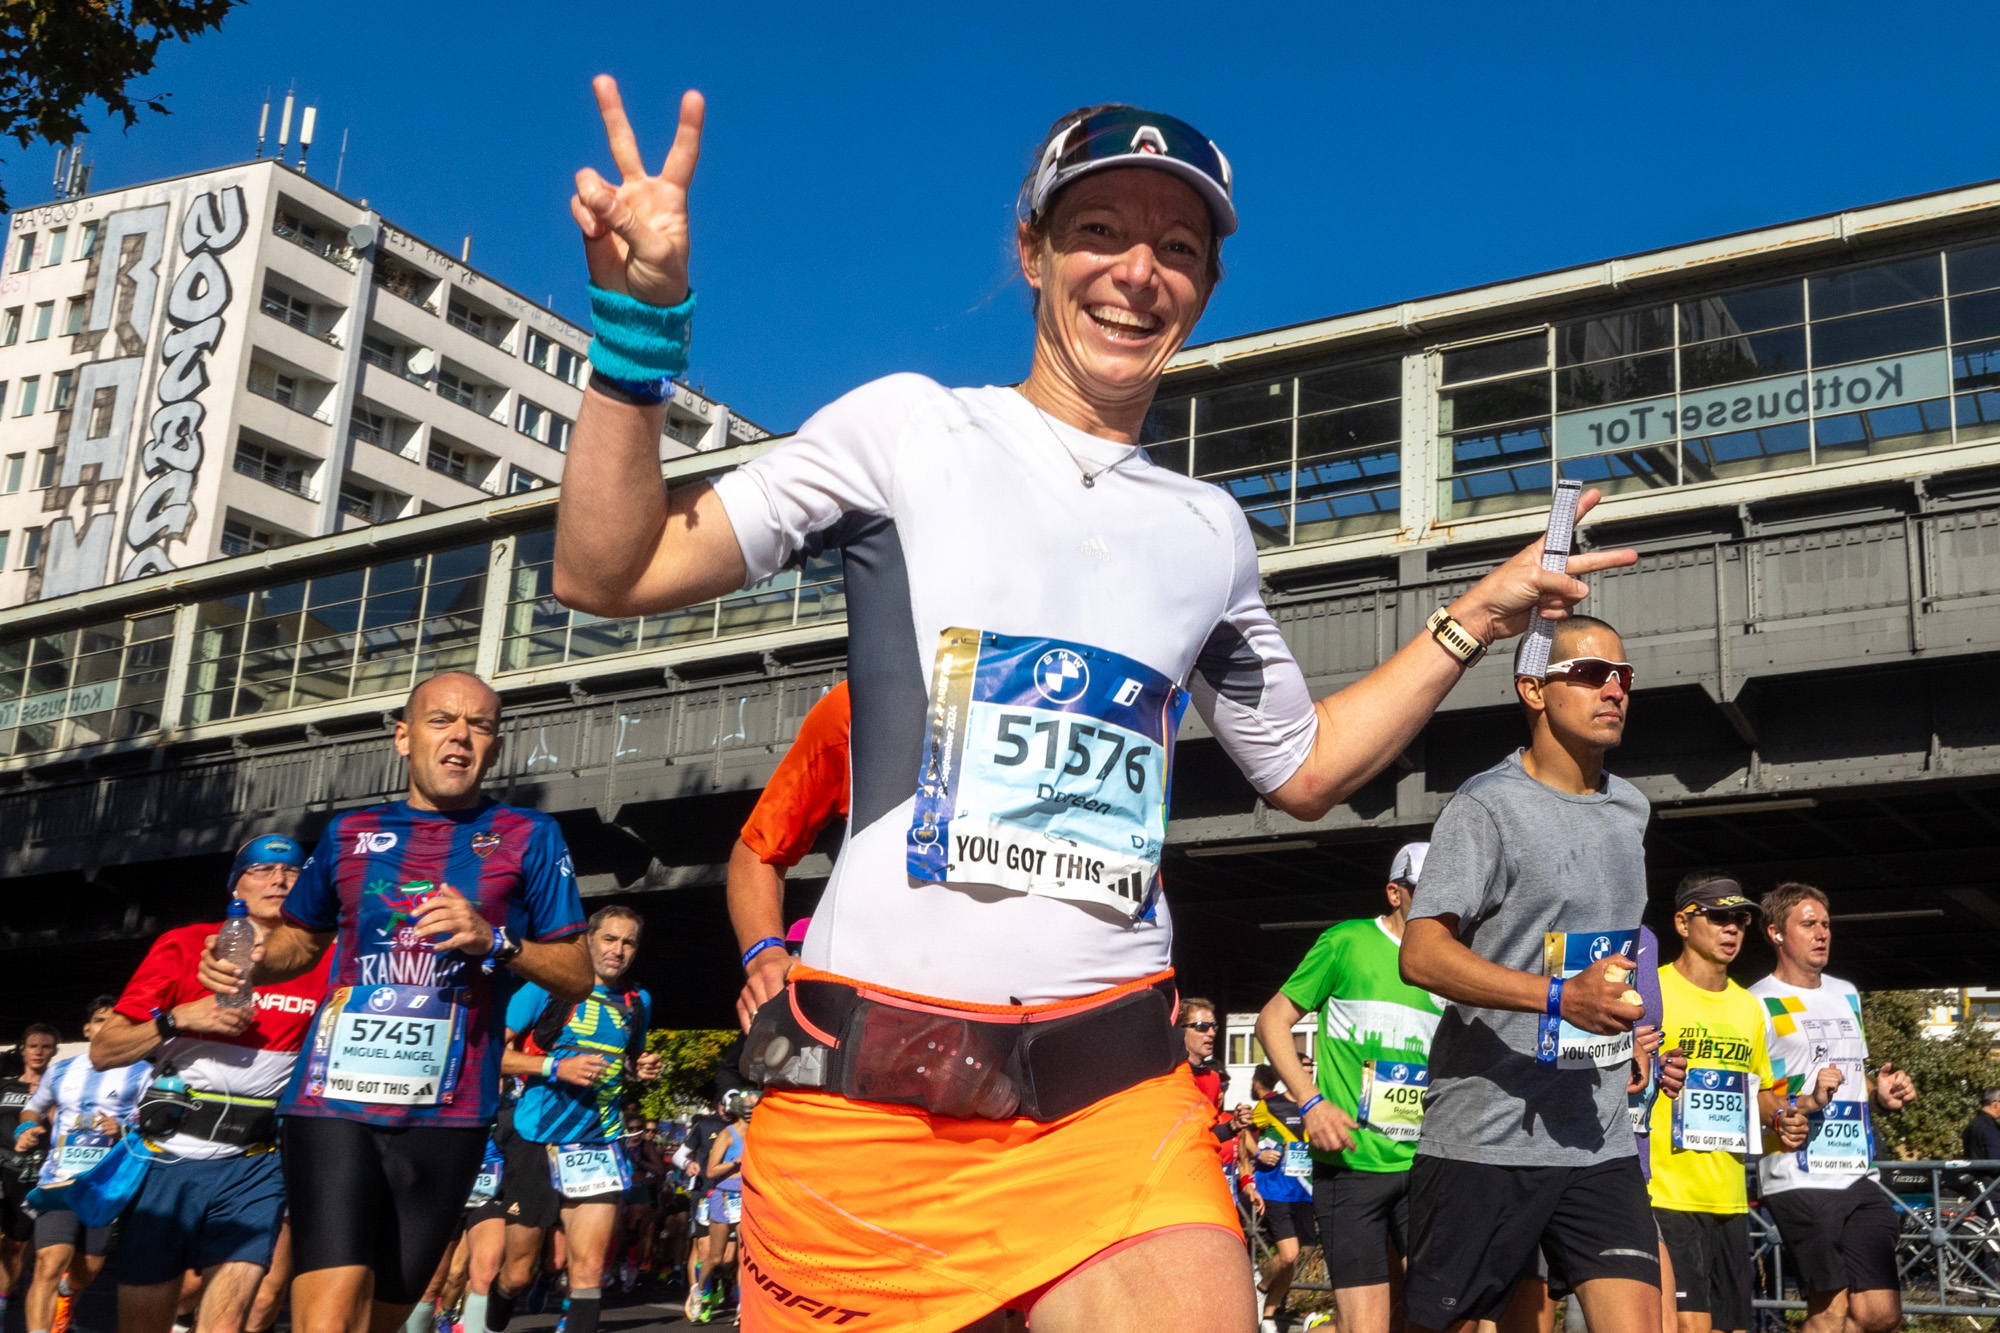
column 768, row 942
column 1554, row 1007
column 638, row 343
column 1311, row 1102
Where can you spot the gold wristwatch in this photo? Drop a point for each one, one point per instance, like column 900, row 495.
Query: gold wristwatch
column 1455, row 638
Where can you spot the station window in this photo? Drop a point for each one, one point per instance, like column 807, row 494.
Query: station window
column 83, row 686
column 1309, row 457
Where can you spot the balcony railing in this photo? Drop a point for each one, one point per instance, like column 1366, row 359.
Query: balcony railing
column 285, row 398
column 303, row 323
column 290, row 480
column 331, row 253
column 474, row 323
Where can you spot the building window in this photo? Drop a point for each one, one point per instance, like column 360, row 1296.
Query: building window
column 461, row 391
column 45, row 318
column 377, row 352
column 369, row 428
column 294, row 310
column 31, row 548
column 10, row 327
column 45, row 470
column 10, row 476
column 285, row 391
column 274, row 468
column 31, row 387
column 3, row 548
column 239, row 538
column 357, row 501
column 529, row 418
column 3, row 397
column 462, row 316
column 24, row 253
column 545, row 353
column 58, row 240
column 520, row 479
column 73, row 316
column 60, row 389
column 453, row 463
column 86, row 243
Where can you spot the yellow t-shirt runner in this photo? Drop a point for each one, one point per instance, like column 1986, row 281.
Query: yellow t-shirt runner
column 1698, row 1163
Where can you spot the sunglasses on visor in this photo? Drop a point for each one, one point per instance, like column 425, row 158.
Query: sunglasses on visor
column 1592, row 671
column 1132, row 133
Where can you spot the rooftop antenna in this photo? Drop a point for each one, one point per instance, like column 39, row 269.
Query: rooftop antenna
column 340, row 164
column 306, row 135
column 263, row 122
column 62, row 170
column 79, row 173
column 285, row 127
column 465, row 251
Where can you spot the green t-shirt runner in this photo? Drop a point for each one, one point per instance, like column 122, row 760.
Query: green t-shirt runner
column 1375, row 1030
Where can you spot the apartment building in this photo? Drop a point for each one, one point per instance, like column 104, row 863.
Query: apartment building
column 240, row 359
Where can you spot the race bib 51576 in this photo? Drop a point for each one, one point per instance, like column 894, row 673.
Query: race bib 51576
column 1046, row 769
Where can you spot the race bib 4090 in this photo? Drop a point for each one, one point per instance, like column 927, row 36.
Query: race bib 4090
column 1046, row 769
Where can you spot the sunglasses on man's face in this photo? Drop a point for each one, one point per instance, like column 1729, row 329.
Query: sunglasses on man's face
column 1726, row 916
column 1592, row 672
column 1208, row 1026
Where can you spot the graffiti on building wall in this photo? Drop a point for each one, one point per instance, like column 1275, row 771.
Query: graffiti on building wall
column 171, row 457
column 105, row 398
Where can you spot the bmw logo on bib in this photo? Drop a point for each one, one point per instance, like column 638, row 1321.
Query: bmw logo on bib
column 383, row 1000
column 1061, row 676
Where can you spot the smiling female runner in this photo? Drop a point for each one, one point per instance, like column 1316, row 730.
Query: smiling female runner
column 978, row 1103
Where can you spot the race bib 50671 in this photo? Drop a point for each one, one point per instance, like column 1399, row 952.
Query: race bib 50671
column 1046, row 769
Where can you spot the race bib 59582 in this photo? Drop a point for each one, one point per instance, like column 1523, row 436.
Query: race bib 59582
column 1712, row 1114
column 1046, row 769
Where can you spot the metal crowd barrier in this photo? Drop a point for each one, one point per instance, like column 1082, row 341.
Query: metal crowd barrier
column 1948, row 1257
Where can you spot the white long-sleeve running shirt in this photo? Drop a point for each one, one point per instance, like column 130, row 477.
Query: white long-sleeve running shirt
column 1020, row 649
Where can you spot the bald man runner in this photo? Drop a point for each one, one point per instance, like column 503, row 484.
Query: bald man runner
column 421, row 900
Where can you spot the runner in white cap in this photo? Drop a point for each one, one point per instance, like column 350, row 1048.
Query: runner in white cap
column 1031, row 602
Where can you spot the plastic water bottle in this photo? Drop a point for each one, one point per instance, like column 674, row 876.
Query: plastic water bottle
column 233, row 944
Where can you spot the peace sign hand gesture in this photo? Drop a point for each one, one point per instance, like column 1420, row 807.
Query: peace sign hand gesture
column 635, row 233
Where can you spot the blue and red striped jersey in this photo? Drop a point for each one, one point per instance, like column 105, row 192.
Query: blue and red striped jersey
column 511, row 863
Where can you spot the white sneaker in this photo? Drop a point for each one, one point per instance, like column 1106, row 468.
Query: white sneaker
column 1267, row 1325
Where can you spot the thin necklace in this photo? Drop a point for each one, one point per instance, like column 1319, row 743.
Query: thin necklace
column 1089, row 477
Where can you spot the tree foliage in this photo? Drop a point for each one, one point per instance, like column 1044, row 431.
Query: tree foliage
column 689, row 1059
column 57, row 55
column 1949, row 1072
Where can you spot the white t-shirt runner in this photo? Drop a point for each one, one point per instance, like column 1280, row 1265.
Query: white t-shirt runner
column 1018, row 644
column 1807, row 1030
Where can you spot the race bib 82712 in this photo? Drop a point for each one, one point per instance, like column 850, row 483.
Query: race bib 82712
column 1046, row 769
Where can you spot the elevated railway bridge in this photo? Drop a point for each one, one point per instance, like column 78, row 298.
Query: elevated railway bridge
column 1798, row 428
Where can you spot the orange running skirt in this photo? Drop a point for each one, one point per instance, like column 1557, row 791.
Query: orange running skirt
column 875, row 1217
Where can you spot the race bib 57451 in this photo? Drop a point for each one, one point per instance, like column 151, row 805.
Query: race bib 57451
column 1046, row 769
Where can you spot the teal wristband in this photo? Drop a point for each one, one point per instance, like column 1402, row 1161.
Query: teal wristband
column 637, row 342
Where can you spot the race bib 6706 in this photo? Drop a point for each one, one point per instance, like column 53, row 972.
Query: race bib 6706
column 1046, row 769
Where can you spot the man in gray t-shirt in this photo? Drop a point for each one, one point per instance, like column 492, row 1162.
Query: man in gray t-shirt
column 1526, row 923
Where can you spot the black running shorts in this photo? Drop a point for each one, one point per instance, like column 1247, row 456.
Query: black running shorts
column 1711, row 1254
column 528, row 1197
column 384, row 1199
column 1838, row 1240
column 1369, row 1211
column 1291, row 1219
column 1474, row 1230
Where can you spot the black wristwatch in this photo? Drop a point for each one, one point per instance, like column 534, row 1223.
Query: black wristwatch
column 504, row 951
column 163, row 1023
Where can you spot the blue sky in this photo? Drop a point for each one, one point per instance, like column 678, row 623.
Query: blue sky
column 853, row 209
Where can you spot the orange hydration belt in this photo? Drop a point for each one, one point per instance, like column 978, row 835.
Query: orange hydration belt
column 964, row 1061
